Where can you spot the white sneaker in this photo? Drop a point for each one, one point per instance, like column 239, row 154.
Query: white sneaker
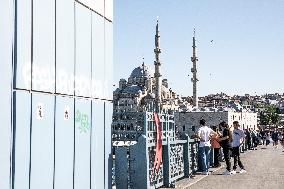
column 233, row 172
column 226, row 173
column 205, row 173
column 243, row 171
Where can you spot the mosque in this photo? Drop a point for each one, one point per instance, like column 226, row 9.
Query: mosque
column 147, row 91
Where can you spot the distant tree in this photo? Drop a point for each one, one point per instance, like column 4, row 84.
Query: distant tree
column 270, row 116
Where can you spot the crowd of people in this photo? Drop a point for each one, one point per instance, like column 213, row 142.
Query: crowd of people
column 262, row 137
column 227, row 141
column 275, row 136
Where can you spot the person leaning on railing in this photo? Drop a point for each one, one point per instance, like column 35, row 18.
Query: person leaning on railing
column 216, row 146
column 205, row 134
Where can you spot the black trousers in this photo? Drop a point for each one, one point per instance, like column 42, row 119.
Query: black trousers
column 226, row 152
column 249, row 143
column 216, row 157
column 237, row 160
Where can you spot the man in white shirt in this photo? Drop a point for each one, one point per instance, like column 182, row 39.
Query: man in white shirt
column 238, row 138
column 204, row 134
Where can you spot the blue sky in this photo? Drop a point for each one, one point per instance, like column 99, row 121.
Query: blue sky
column 246, row 55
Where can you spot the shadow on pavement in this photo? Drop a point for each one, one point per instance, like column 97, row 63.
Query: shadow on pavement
column 218, row 174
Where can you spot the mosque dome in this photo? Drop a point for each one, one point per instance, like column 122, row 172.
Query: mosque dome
column 141, row 71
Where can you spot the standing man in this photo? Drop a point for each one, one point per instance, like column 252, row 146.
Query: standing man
column 262, row 135
column 238, row 139
column 254, row 139
column 249, row 139
column 275, row 138
column 204, row 134
column 226, row 145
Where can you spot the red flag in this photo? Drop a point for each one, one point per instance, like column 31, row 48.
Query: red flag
column 158, row 156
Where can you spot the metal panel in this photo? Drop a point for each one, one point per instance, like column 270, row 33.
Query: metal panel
column 22, row 140
column 43, row 45
column 140, row 164
column 98, row 46
column 65, row 46
column 6, row 31
column 99, row 6
column 109, row 9
column 108, row 59
column 23, row 71
column 98, row 167
column 82, row 144
column 122, row 167
column 96, row 5
column 64, row 143
column 83, row 51
column 108, row 144
column 42, row 147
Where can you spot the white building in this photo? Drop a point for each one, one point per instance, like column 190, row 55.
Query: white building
column 188, row 122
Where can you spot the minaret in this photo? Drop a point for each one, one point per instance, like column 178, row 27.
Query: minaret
column 143, row 67
column 194, row 79
column 157, row 64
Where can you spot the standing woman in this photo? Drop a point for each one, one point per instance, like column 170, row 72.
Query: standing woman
column 216, row 147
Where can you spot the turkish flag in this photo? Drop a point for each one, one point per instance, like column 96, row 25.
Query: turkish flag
column 158, row 156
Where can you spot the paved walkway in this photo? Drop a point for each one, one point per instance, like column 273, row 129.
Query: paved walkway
column 265, row 170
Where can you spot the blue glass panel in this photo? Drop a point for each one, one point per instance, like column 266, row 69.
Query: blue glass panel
column 43, row 45
column 64, row 143
column 65, row 46
column 23, row 72
column 42, row 148
column 109, row 59
column 98, row 144
column 82, row 144
column 98, row 70
column 83, row 51
column 22, row 140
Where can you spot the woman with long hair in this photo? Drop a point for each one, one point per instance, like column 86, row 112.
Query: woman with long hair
column 216, row 147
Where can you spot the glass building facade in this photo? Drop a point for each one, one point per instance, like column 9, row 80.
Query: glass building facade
column 56, row 94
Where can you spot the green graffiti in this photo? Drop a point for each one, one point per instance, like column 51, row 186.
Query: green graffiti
column 83, row 121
